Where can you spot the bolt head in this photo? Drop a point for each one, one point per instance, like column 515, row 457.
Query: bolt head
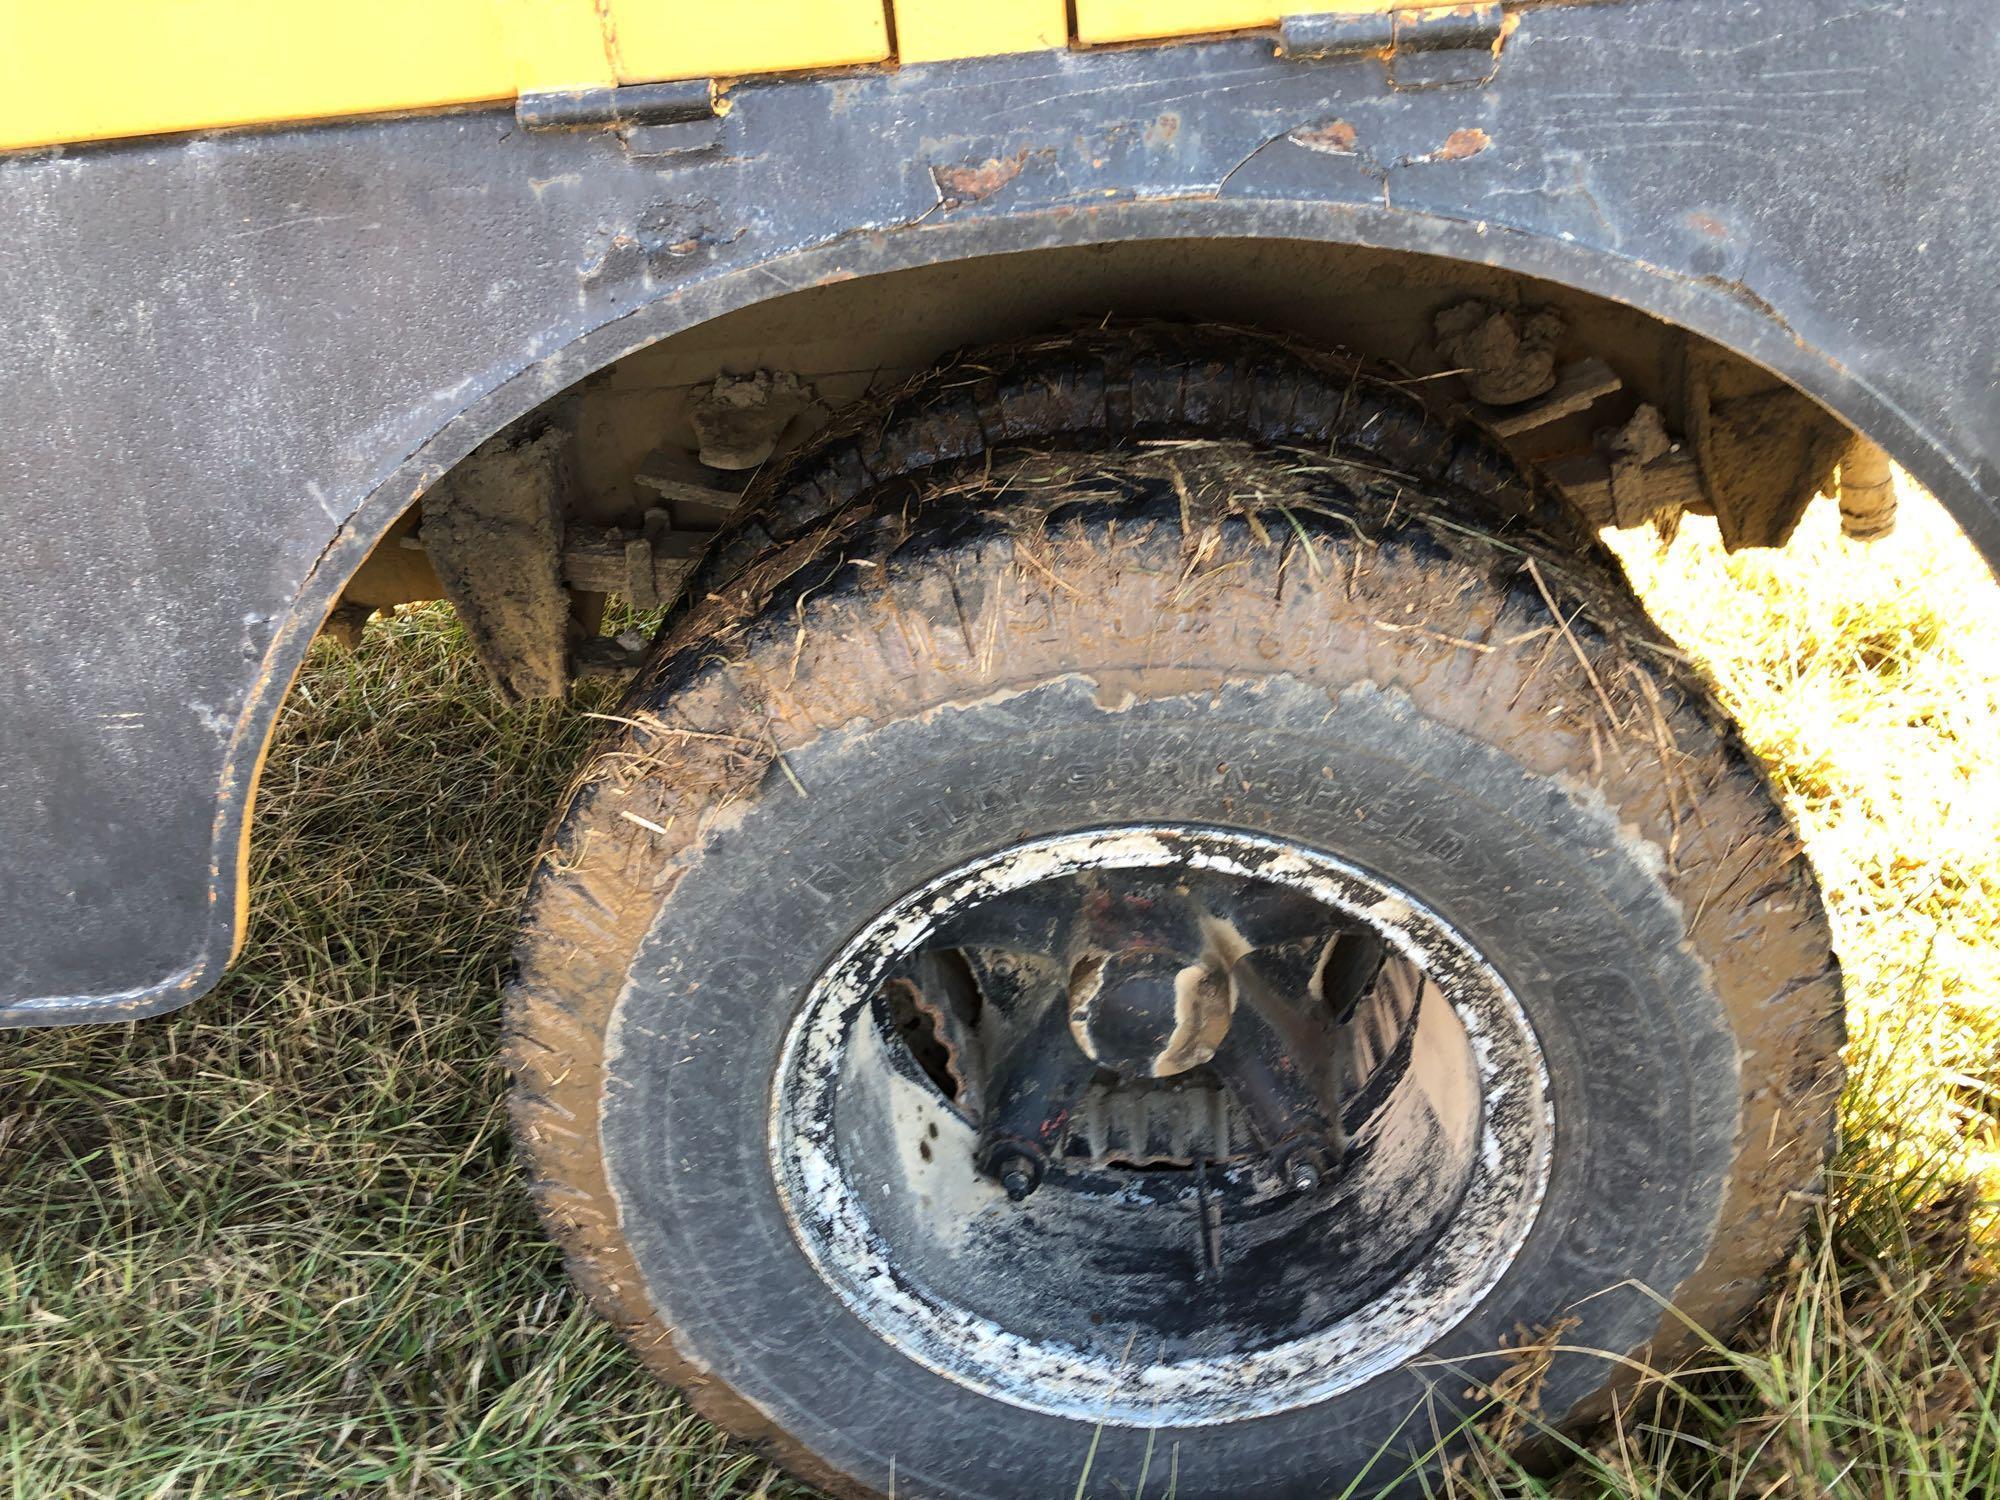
column 1015, row 1169
column 1305, row 1167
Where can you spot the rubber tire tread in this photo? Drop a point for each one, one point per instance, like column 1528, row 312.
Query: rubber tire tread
column 1123, row 385
column 707, row 727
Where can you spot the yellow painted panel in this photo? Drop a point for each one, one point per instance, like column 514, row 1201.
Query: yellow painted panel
column 1137, row 20
column 930, row 30
column 81, row 70
column 658, row 39
column 73, row 70
column 557, row 44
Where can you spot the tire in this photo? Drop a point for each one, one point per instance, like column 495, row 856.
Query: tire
column 1356, row 658
column 1126, row 384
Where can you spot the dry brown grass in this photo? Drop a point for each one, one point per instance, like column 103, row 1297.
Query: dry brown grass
column 274, row 1246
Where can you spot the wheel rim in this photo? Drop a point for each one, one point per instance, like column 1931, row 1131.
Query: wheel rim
column 1150, row 1292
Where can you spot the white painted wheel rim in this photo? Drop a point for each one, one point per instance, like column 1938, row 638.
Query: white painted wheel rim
column 830, row 1217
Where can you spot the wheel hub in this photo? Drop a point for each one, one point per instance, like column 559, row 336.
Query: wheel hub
column 1147, row 1013
column 1162, row 982
column 1160, row 1124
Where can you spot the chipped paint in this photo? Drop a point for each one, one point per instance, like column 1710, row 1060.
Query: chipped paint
column 1335, row 137
column 1461, row 143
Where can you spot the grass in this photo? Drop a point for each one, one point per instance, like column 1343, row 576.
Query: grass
column 275, row 1246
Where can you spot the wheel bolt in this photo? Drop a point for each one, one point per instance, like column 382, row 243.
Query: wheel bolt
column 1304, row 1167
column 1015, row 1168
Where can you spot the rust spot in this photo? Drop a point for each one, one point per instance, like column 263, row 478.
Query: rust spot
column 1709, row 225
column 614, row 50
column 972, row 183
column 1335, row 137
column 1460, row 144
column 1164, row 129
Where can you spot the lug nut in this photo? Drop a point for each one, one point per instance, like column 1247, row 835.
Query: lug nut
column 1304, row 1167
column 1017, row 1170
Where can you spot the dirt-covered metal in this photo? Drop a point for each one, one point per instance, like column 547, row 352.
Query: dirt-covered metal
column 1477, row 1133
column 237, row 359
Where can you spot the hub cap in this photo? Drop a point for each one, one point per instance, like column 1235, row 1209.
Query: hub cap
column 1160, row 1126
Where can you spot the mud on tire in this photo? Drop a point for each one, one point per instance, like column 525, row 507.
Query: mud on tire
column 983, row 650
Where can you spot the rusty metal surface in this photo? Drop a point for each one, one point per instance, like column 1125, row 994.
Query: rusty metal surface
column 826, row 1092
column 231, row 363
column 494, row 533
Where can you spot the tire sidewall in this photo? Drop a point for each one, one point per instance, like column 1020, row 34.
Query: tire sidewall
column 1533, row 871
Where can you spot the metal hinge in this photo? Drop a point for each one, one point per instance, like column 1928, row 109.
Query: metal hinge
column 653, row 119
column 1428, row 46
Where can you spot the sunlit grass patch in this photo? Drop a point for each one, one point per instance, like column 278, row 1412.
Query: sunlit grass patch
column 1868, row 677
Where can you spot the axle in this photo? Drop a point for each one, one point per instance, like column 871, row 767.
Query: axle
column 1156, row 988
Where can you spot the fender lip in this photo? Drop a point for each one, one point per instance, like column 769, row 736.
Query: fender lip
column 141, row 1004
column 229, row 867
column 1748, row 333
